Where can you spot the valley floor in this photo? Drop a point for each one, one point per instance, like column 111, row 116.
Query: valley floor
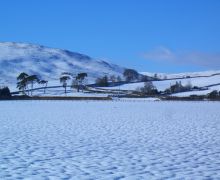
column 109, row 140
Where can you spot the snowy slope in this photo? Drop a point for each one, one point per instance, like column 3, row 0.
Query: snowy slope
column 109, row 140
column 48, row 63
column 181, row 75
column 162, row 85
column 212, row 80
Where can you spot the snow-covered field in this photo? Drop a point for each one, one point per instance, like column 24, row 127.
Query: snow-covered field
column 162, row 85
column 201, row 82
column 203, row 92
column 109, row 140
column 182, row 75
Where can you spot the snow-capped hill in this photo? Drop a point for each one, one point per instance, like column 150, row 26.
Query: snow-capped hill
column 48, row 63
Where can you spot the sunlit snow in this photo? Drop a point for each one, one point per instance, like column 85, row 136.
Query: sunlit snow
column 109, row 140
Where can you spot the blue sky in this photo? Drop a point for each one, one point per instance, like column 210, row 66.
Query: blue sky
column 148, row 35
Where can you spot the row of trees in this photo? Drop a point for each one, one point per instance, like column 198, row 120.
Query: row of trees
column 24, row 80
column 78, row 81
column 178, row 87
column 129, row 75
column 105, row 80
column 150, row 89
column 214, row 94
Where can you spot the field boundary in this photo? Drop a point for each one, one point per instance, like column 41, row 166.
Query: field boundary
column 55, row 98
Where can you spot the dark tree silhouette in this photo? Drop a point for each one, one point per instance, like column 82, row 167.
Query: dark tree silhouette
column 22, row 76
column 44, row 83
column 213, row 95
column 130, row 75
column 119, row 79
column 5, row 92
column 79, row 81
column 32, row 80
column 22, row 82
column 149, row 89
column 103, row 82
column 112, row 78
column 63, row 80
column 81, row 76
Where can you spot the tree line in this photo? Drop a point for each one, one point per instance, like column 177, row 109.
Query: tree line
column 26, row 82
column 78, row 81
column 129, row 75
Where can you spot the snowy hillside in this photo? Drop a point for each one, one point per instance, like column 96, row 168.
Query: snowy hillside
column 48, row 63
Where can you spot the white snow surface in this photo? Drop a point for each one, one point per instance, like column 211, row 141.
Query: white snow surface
column 109, row 140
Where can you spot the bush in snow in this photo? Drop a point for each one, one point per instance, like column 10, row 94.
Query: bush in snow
column 131, row 75
column 214, row 94
column 5, row 92
column 79, row 81
column 148, row 89
column 178, row 87
column 102, row 82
